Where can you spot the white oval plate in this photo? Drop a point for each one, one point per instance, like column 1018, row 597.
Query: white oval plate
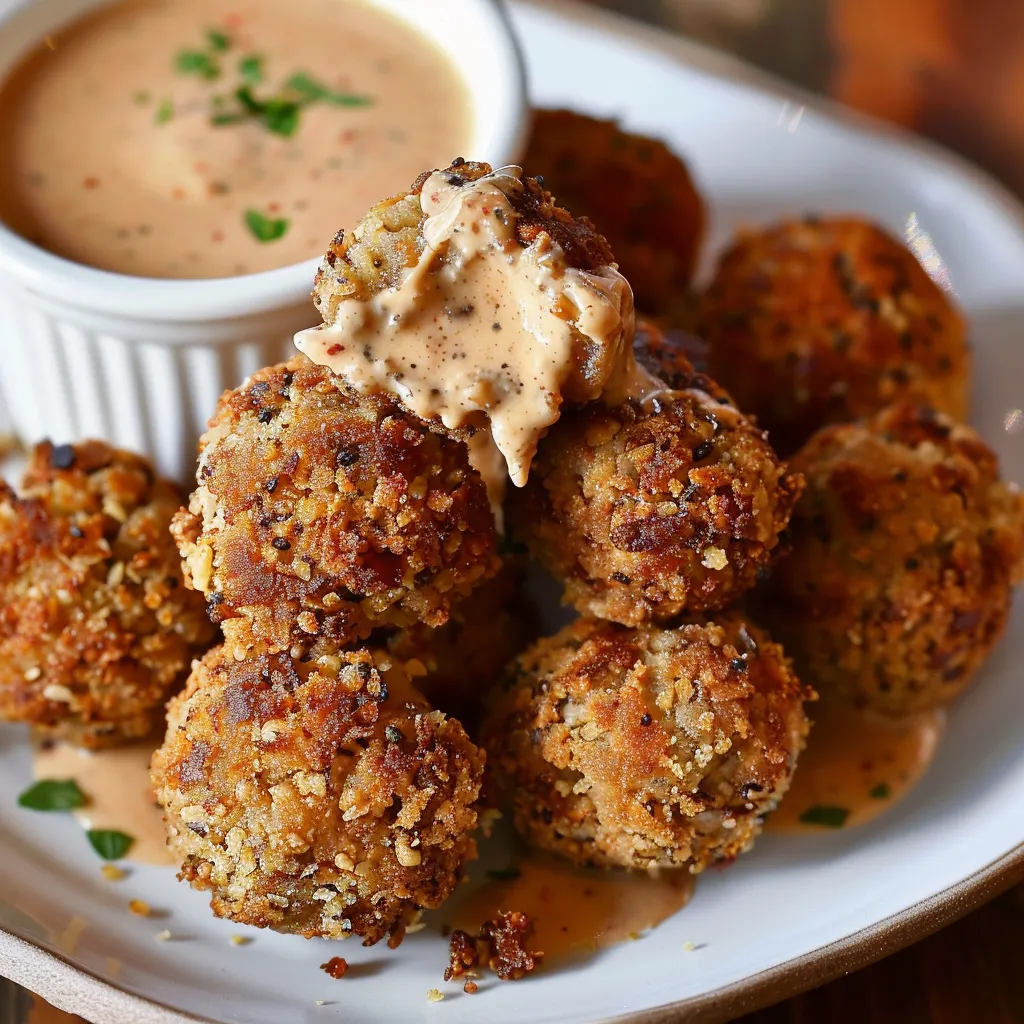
column 799, row 908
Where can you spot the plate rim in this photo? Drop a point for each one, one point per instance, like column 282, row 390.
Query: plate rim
column 76, row 989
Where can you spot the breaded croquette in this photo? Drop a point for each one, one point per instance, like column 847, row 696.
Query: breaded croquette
column 647, row 747
column 652, row 509
column 637, row 191
column 321, row 797
column 96, row 626
column 905, row 547
column 323, row 513
column 826, row 321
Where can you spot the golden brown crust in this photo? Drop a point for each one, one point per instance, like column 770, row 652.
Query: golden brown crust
column 457, row 665
column 96, row 626
column 638, row 192
column 389, row 240
column 647, row 747
column 320, row 513
column 647, row 512
column 825, row 321
column 905, row 547
column 320, row 797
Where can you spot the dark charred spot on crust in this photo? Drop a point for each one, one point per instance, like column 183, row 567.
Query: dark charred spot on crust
column 62, row 456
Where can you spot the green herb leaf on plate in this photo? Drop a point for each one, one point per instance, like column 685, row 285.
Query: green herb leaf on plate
column 109, row 843
column 504, row 874
column 880, row 792
column 52, row 795
column 251, row 69
column 826, row 815
column 164, row 112
column 265, row 229
column 218, row 40
column 281, row 117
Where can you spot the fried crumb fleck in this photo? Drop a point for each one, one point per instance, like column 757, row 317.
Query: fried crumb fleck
column 240, row 940
column 434, row 995
column 139, row 907
column 112, row 873
column 506, row 937
column 336, row 967
column 164, row 936
column 470, row 988
column 689, row 947
column 462, row 953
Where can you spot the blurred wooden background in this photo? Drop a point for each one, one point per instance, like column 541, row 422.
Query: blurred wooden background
column 952, row 70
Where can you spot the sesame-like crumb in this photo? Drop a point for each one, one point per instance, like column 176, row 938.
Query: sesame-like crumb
column 688, row 946
column 336, row 967
column 319, row 1002
column 112, row 873
column 240, row 940
column 434, row 995
column 164, row 936
column 139, row 907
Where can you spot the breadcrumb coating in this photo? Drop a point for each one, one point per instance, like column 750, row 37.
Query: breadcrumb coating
column 906, row 545
column 638, row 192
column 321, row 797
column 829, row 320
column 650, row 510
column 647, row 747
column 96, row 626
column 320, row 513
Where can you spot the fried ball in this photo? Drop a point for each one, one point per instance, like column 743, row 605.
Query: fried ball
column 96, row 626
column 825, row 321
column 389, row 241
column 459, row 664
column 323, row 513
column 905, row 547
column 321, row 797
column 651, row 509
column 638, row 192
column 647, row 747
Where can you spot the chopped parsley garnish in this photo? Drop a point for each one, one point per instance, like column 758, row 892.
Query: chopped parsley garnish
column 251, row 69
column 826, row 815
column 196, row 62
column 265, row 229
column 504, row 874
column 312, row 91
column 279, row 116
column 110, row 844
column 218, row 40
column 880, row 792
column 165, row 111
column 52, row 795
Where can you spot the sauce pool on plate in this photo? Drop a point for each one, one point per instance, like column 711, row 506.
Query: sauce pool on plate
column 207, row 138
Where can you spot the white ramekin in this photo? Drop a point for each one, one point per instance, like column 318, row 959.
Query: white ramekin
column 140, row 361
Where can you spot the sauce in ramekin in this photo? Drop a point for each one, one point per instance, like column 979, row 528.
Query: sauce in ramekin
column 207, row 138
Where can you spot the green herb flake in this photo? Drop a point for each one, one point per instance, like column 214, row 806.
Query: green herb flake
column 195, row 62
column 251, row 69
column 141, row 98
column 825, row 815
column 504, row 874
column 110, row 844
column 218, row 40
column 313, row 91
column 281, row 117
column 164, row 112
column 880, row 792
column 52, row 795
column 265, row 229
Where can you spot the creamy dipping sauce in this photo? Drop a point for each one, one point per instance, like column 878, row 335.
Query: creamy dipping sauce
column 206, row 138
column 856, row 766
column 118, row 792
column 484, row 329
column 575, row 911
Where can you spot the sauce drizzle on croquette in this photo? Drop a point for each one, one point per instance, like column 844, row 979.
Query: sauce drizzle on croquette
column 486, row 326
